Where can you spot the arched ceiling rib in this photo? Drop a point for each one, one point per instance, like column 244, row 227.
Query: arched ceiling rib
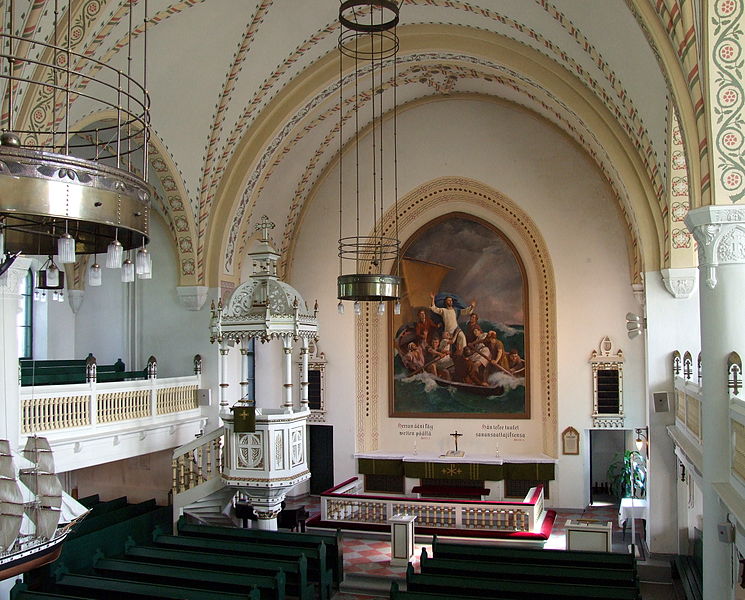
column 263, row 61
column 518, row 73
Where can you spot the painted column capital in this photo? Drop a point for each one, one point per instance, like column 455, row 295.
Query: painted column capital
column 10, row 281
column 680, row 282
column 192, row 297
column 720, row 233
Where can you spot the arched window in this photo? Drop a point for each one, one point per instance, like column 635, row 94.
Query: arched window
column 25, row 318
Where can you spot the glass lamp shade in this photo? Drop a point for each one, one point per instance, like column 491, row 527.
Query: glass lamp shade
column 66, row 248
column 2, row 242
column 95, row 275
column 143, row 264
column 381, row 308
column 52, row 276
column 357, row 308
column 114, row 255
column 128, row 271
column 397, row 308
column 340, row 307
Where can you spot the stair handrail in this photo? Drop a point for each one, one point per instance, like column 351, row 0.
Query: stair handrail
column 199, row 441
column 197, row 462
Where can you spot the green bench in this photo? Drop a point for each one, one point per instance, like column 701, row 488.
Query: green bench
column 399, row 594
column 296, row 572
column 333, row 541
column 271, row 587
column 318, row 572
column 112, row 516
column 20, row 591
column 483, row 587
column 103, row 588
column 507, row 554
column 528, row 572
column 688, row 570
column 65, row 372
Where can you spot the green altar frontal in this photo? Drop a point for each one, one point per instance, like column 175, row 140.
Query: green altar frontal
column 456, row 470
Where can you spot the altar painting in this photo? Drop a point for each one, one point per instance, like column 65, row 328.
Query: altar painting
column 459, row 345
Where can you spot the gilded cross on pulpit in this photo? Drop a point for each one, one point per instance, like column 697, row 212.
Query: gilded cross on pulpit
column 264, row 226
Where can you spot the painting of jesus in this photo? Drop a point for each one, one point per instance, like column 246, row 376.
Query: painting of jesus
column 459, row 346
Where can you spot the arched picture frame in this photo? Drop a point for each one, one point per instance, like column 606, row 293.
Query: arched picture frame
column 459, row 348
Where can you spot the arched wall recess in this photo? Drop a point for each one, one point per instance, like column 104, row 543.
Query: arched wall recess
column 427, row 202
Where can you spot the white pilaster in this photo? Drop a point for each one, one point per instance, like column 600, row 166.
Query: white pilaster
column 287, row 372
column 720, row 233
column 304, row 374
column 10, row 283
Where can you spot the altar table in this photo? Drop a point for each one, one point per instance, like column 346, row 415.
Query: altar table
column 639, row 510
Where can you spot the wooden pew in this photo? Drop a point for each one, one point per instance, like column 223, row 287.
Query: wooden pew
column 528, row 572
column 688, row 570
column 20, row 591
column 296, row 571
column 398, row 594
column 508, row 554
column 484, row 587
column 94, row 522
column 318, row 572
column 272, row 587
column 102, row 588
column 333, row 541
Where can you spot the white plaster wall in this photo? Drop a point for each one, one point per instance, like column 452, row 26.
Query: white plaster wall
column 167, row 329
column 550, row 178
column 140, row 478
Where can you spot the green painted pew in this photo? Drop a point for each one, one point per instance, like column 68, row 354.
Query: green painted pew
column 102, row 588
column 20, row 591
column 399, row 594
column 528, row 572
column 296, row 571
column 95, row 522
column 272, row 587
column 484, row 587
column 318, row 572
column 481, row 552
column 333, row 541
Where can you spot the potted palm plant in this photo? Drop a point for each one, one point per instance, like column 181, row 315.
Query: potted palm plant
column 627, row 475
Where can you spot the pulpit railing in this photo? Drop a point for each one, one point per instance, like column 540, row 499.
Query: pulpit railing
column 344, row 504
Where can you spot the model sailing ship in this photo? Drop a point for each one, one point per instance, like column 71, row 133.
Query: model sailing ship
column 36, row 515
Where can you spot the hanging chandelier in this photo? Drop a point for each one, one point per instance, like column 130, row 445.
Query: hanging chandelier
column 67, row 190
column 368, row 36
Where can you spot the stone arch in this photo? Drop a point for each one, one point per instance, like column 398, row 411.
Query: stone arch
column 434, row 199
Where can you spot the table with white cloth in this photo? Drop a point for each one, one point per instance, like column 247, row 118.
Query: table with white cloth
column 632, row 508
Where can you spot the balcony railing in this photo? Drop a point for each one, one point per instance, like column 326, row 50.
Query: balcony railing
column 63, row 407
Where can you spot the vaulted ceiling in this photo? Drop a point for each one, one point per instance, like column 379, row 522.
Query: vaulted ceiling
column 245, row 92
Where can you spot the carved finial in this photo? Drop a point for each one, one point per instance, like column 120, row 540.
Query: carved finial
column 264, row 226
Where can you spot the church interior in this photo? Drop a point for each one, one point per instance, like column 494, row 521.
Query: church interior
column 475, row 261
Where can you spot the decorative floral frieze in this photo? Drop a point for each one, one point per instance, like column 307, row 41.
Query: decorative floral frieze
column 726, row 94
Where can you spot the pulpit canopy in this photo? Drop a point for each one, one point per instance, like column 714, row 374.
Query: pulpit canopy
column 263, row 307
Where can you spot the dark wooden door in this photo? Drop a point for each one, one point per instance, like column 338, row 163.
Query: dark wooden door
column 321, row 457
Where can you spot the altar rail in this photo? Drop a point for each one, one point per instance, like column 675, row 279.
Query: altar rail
column 63, row 407
column 344, row 504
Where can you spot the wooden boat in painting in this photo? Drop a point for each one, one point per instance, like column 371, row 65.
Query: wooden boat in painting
column 36, row 515
column 406, row 334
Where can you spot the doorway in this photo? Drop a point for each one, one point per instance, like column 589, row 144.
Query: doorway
column 605, row 445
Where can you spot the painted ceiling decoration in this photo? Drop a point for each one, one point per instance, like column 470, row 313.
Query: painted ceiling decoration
column 211, row 176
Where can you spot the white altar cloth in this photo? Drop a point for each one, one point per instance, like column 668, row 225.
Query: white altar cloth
column 482, row 459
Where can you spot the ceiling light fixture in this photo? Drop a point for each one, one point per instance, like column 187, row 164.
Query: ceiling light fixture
column 88, row 181
column 368, row 35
